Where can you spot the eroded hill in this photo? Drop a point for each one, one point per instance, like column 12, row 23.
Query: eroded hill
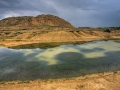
column 40, row 20
column 48, row 28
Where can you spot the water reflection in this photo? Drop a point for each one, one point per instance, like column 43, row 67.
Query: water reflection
column 63, row 61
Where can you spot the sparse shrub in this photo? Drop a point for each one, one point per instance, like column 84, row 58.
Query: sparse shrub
column 2, row 82
column 3, row 39
column 107, row 30
column 2, row 45
column 22, row 82
column 18, row 40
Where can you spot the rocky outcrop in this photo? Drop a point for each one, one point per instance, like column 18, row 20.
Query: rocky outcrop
column 40, row 20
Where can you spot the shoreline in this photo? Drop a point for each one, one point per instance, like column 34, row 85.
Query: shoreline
column 76, row 74
column 103, row 81
column 28, row 44
column 100, row 81
column 56, row 36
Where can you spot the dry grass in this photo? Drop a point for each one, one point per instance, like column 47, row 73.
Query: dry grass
column 14, row 38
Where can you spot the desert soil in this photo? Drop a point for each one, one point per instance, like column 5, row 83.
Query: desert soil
column 57, row 36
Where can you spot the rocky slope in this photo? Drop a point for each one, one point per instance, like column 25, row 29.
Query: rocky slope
column 40, row 20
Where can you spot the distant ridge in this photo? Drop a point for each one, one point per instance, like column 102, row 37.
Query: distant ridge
column 40, row 20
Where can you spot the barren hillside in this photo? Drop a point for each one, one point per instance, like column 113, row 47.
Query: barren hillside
column 40, row 20
column 13, row 38
column 47, row 28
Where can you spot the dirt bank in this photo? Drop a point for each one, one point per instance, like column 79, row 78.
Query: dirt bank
column 55, row 36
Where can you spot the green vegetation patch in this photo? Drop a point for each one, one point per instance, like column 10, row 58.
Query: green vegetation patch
column 44, row 45
column 118, row 40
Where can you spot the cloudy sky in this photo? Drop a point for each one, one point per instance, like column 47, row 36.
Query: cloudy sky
column 80, row 13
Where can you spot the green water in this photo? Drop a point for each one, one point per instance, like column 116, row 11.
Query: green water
column 64, row 61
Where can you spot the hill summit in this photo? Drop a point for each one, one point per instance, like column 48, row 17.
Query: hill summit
column 40, row 20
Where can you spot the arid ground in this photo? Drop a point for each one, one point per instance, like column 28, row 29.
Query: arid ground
column 34, row 36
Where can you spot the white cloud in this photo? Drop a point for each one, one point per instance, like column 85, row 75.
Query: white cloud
column 10, row 14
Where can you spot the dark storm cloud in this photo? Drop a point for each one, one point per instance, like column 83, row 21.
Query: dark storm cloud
column 8, row 4
column 94, row 13
column 10, row 8
column 15, row 5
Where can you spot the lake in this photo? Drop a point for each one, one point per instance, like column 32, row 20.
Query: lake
column 64, row 61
